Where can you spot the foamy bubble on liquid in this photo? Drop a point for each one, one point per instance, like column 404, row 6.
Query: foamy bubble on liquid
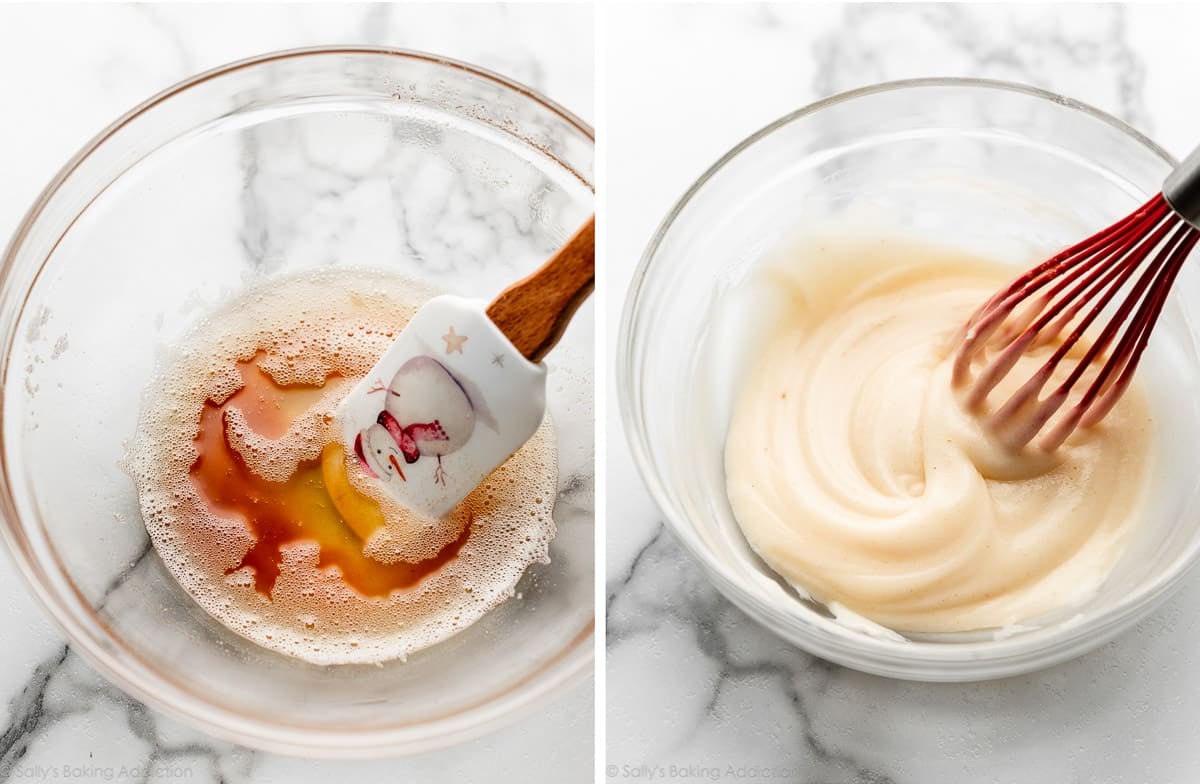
column 313, row 325
column 276, row 459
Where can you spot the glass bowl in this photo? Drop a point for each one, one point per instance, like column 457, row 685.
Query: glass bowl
column 997, row 169
column 342, row 156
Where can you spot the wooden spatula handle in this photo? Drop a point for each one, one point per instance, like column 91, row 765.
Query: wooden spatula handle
column 534, row 312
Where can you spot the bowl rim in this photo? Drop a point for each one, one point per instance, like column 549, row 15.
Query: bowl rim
column 568, row 668
column 918, row 660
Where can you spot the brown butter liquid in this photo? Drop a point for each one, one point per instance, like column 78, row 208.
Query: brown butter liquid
column 298, row 509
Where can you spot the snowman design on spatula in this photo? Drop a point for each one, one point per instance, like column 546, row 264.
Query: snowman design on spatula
column 427, row 413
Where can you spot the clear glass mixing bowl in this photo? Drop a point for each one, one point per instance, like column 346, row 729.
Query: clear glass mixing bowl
column 294, row 160
column 998, row 169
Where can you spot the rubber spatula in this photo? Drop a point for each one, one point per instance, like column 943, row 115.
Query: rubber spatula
column 463, row 386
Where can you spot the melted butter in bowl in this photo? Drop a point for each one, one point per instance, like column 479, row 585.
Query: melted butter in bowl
column 854, row 473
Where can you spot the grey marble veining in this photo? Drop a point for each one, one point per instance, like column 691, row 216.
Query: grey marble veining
column 1085, row 55
column 64, row 692
column 635, row 611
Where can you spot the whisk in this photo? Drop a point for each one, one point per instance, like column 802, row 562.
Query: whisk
column 1137, row 258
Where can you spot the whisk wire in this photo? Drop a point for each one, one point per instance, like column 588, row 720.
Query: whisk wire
column 1101, row 344
column 1183, row 244
column 1021, row 334
column 988, row 318
column 1140, row 255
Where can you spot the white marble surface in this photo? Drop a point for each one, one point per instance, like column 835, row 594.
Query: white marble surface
column 67, row 71
column 693, row 685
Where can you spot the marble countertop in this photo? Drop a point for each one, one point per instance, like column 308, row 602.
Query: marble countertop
column 696, row 691
column 69, row 70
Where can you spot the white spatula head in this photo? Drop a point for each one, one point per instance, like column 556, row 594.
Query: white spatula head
column 449, row 402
